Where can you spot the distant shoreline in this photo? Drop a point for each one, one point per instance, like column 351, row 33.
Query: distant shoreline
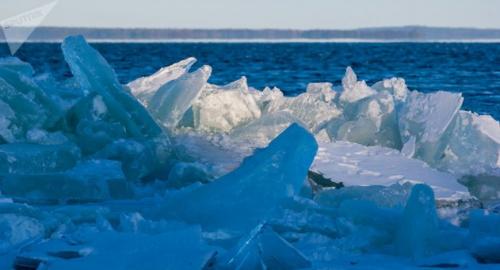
column 379, row 34
column 265, row 41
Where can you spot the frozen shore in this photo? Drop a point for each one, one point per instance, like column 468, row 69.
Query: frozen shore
column 172, row 172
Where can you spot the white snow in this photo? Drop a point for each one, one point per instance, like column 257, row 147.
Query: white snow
column 355, row 164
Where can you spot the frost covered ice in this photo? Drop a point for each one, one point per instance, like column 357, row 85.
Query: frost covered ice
column 173, row 172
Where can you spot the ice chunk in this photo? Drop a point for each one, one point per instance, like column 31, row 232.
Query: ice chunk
column 408, row 149
column 23, row 158
column 173, row 99
column 7, row 118
column 484, row 236
column 218, row 152
column 314, row 108
column 19, row 112
column 354, row 90
column 144, row 88
column 19, row 90
column 16, row 229
column 474, row 145
column 395, row 86
column 263, row 249
column 419, row 226
column 221, row 108
column 15, row 64
column 324, row 89
column 395, row 195
column 360, row 131
column 184, row 174
column 139, row 158
column 373, row 121
column 89, row 181
column 259, row 132
column 250, row 194
column 40, row 136
column 428, row 117
column 94, row 74
column 91, row 124
column 269, row 99
column 484, row 186
column 176, row 249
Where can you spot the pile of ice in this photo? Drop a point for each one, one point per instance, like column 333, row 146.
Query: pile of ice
column 172, row 172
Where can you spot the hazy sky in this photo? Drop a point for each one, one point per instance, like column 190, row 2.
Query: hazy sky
column 303, row 14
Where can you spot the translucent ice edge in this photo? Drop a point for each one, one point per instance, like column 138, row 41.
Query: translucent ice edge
column 224, row 122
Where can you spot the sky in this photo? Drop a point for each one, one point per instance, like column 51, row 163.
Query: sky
column 285, row 14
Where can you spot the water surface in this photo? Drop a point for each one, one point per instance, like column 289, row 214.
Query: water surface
column 470, row 68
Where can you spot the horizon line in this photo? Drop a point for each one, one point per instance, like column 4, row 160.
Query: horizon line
column 266, row 29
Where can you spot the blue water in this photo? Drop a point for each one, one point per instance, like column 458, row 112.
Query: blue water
column 473, row 69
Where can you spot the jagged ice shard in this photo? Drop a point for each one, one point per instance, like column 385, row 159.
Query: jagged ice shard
column 145, row 88
column 172, row 100
column 95, row 75
column 173, row 172
column 249, row 195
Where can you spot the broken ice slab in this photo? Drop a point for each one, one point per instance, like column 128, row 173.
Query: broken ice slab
column 373, row 122
column 92, row 125
column 24, row 158
column 139, row 158
column 408, row 149
column 184, row 174
column 268, row 99
column 395, row 86
column 16, row 229
column 219, row 158
column 474, row 145
column 324, row 89
column 259, row 132
column 484, row 186
column 355, row 164
column 392, row 196
column 222, row 108
column 250, row 194
column 89, row 181
column 354, row 90
column 15, row 64
column 19, row 112
column 172, row 100
column 484, row 236
column 26, row 90
column 473, row 152
column 428, row 117
column 144, row 88
column 176, row 249
column 8, row 130
column 418, row 230
column 315, row 108
column 263, row 249
column 40, row 136
column 21, row 225
column 94, row 74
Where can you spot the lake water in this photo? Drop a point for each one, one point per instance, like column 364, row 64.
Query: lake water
column 473, row 69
